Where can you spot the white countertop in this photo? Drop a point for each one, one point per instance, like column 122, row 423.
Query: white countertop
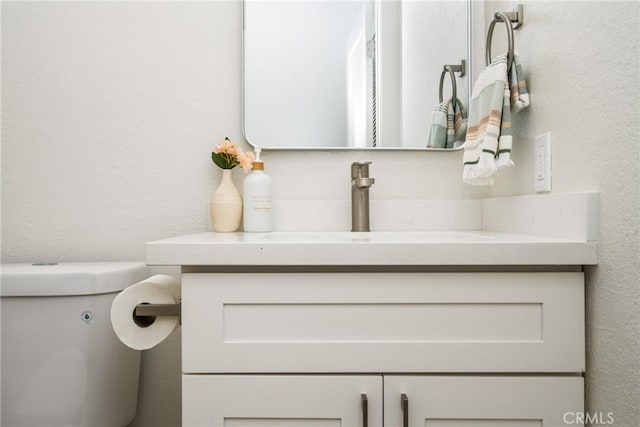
column 419, row 248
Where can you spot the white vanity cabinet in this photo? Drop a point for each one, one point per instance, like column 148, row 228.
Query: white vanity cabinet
column 482, row 328
column 466, row 349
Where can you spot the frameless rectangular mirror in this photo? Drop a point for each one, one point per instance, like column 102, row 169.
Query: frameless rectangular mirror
column 350, row 74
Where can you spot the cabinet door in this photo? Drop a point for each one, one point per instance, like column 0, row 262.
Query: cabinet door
column 447, row 401
column 281, row 400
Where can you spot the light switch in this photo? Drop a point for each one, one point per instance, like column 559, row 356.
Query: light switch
column 542, row 162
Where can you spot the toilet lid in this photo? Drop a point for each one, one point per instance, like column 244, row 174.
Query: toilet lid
column 69, row 278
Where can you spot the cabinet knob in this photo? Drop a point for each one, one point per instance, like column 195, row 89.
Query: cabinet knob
column 404, row 403
column 365, row 410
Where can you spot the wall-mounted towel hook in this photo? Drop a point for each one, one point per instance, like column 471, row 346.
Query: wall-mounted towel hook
column 457, row 68
column 516, row 16
column 454, row 89
column 451, row 69
column 508, row 18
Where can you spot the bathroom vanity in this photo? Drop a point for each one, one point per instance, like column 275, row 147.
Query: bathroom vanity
column 447, row 328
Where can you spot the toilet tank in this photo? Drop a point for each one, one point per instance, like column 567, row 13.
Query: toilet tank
column 62, row 364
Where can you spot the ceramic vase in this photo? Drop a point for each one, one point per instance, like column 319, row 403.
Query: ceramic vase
column 225, row 206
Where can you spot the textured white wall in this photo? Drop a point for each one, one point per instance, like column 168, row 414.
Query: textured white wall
column 582, row 68
column 109, row 113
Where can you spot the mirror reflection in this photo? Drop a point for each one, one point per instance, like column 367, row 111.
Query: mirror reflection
column 352, row 74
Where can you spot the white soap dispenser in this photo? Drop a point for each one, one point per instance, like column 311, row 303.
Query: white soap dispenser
column 257, row 199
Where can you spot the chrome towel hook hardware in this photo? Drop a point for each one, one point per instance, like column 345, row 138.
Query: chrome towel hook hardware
column 451, row 69
column 516, row 16
column 454, row 96
column 509, row 18
column 458, row 68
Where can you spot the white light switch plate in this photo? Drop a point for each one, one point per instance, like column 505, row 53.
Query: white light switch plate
column 542, row 163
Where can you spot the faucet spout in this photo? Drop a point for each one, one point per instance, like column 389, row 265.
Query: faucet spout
column 360, row 184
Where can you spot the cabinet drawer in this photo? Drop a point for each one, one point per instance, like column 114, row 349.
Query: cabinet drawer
column 383, row 322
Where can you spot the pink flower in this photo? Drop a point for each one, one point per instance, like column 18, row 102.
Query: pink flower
column 228, row 155
column 246, row 161
column 225, row 147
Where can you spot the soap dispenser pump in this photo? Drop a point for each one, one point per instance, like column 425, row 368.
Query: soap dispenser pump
column 257, row 198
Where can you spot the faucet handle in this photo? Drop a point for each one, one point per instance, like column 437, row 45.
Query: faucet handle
column 363, row 182
column 360, row 169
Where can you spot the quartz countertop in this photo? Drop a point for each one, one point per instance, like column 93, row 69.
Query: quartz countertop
column 378, row 248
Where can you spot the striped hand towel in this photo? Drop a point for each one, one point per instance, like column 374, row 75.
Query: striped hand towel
column 489, row 133
column 448, row 130
column 518, row 86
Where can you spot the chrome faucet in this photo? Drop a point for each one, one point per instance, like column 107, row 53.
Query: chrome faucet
column 360, row 183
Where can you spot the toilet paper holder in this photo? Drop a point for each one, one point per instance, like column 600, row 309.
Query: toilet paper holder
column 145, row 314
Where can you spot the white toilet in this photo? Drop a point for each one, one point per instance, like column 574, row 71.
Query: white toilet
column 62, row 364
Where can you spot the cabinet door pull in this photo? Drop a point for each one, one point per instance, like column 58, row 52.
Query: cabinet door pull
column 365, row 410
column 404, row 403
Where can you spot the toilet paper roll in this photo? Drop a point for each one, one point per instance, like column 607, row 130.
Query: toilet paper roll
column 158, row 289
column 169, row 282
